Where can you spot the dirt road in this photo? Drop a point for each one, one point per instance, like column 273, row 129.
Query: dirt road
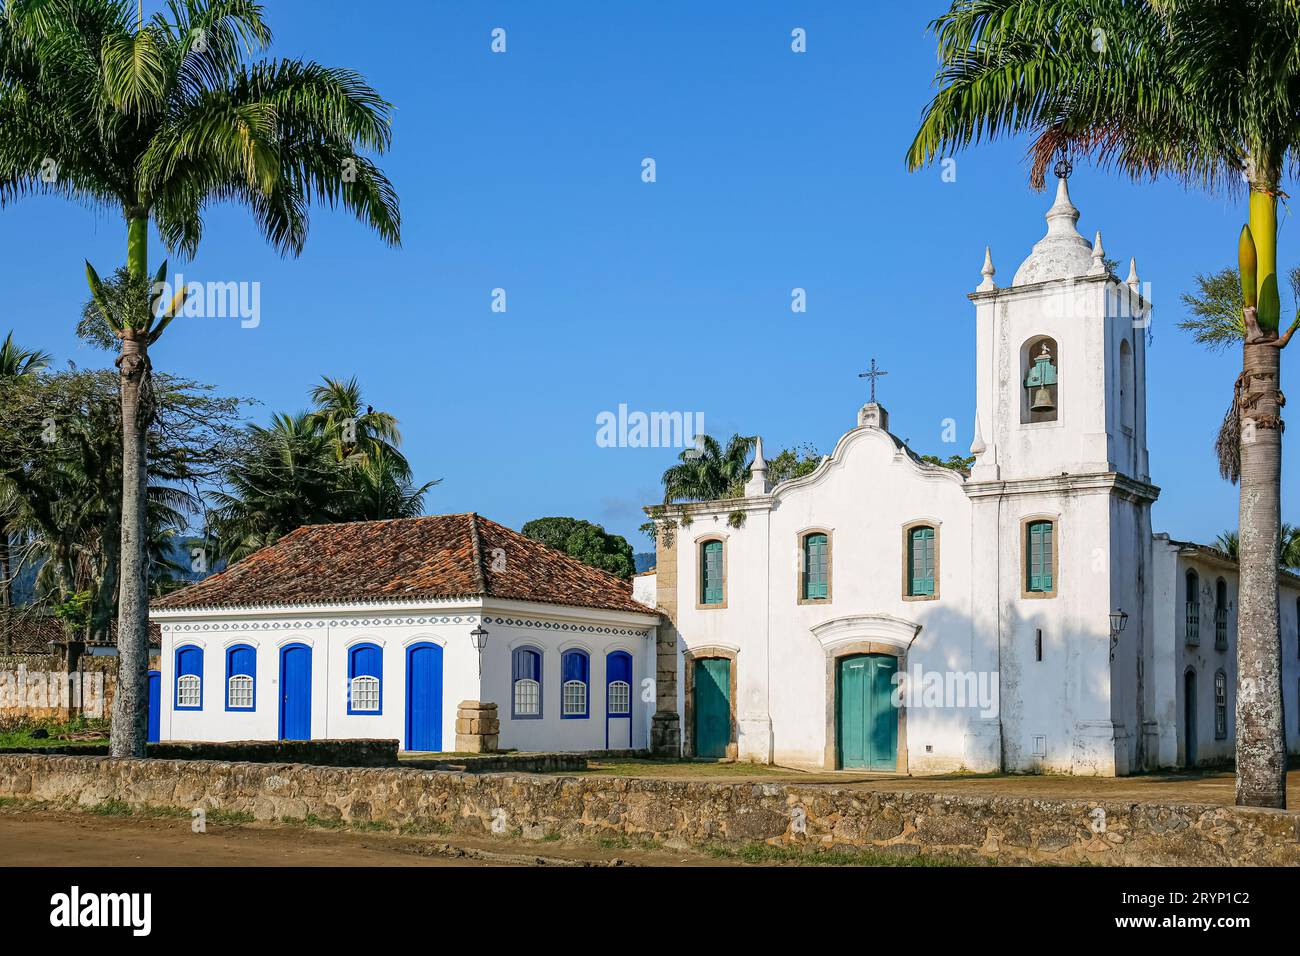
column 60, row 838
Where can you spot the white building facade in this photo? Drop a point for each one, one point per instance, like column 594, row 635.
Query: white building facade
column 886, row 614
column 567, row 670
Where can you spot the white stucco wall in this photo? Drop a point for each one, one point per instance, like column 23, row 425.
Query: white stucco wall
column 332, row 632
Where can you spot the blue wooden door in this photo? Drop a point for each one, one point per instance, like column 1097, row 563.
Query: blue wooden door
column 295, row 692
column 424, row 697
column 155, row 706
column 866, row 719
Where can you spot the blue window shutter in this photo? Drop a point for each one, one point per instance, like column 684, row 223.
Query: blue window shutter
column 527, row 665
column 618, row 666
column 711, row 572
column 241, row 659
column 189, row 660
column 575, row 666
column 366, row 660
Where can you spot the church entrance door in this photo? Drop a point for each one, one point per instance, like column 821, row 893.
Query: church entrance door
column 712, row 706
column 867, row 721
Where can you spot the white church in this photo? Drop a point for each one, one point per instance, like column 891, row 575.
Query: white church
column 886, row 614
column 880, row 614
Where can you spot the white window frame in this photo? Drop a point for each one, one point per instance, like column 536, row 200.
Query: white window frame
column 245, row 689
column 573, row 694
column 189, row 690
column 528, row 697
column 620, row 698
column 364, row 696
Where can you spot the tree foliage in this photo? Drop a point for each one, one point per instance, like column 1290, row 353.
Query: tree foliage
column 589, row 543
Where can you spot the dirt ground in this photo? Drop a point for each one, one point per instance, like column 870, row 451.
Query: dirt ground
column 63, row 838
column 1212, row 787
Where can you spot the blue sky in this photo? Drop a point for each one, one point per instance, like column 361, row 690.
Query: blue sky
column 522, row 171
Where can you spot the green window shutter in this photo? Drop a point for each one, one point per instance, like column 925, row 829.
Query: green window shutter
column 920, row 548
column 816, row 575
column 1039, row 563
column 711, row 572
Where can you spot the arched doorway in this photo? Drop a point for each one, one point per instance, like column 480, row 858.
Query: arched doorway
column 866, row 719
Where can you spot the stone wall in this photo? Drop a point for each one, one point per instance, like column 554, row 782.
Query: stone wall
column 320, row 753
column 39, row 686
column 1004, row 829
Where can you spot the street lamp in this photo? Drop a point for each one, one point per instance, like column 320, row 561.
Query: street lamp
column 1118, row 621
column 479, row 637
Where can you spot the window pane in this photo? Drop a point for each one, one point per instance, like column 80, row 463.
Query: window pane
column 365, row 693
column 620, row 697
column 528, row 698
column 574, row 698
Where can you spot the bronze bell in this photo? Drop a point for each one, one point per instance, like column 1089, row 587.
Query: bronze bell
column 1042, row 400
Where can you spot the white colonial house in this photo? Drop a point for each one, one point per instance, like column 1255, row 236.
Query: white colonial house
column 887, row 614
column 373, row 629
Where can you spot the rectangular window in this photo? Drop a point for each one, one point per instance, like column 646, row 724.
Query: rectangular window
column 711, row 572
column 920, row 562
column 1039, row 564
column 816, row 575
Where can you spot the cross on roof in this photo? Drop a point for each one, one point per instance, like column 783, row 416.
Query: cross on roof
column 873, row 373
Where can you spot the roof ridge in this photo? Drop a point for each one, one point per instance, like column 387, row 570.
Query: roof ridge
column 476, row 550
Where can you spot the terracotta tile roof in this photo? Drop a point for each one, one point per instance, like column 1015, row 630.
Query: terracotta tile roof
column 406, row 559
column 31, row 633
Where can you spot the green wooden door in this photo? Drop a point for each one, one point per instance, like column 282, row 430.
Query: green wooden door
column 712, row 707
column 866, row 719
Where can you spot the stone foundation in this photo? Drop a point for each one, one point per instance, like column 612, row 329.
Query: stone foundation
column 1002, row 829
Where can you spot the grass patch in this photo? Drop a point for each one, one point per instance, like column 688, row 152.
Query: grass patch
column 766, row 854
column 77, row 732
column 625, row 842
column 424, row 829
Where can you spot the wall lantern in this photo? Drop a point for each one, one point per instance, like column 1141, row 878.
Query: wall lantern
column 479, row 637
column 1118, row 621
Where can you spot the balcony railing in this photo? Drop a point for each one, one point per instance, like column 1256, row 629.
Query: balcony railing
column 1221, row 629
column 1193, row 622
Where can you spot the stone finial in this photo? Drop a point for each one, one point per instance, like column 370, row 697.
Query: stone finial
column 1098, row 257
column 1062, row 253
column 977, row 446
column 873, row 415
column 1132, row 280
column 988, row 285
column 757, row 484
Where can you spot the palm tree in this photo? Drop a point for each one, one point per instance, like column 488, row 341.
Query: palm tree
column 709, row 472
column 14, row 361
column 287, row 479
column 377, row 487
column 352, row 427
column 1290, row 550
column 1204, row 91
column 159, row 119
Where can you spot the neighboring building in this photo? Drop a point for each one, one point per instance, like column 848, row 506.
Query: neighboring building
column 791, row 611
column 364, row 630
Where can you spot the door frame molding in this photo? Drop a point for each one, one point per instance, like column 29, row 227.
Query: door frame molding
column 691, row 655
column 830, row 759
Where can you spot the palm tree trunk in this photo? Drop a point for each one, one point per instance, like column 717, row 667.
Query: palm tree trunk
column 1261, row 734
column 130, row 703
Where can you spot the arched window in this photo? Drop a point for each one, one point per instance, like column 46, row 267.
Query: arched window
column 1127, row 387
column 1220, row 705
column 365, row 679
column 575, row 670
column 526, row 703
column 712, row 581
column 618, row 684
column 921, row 561
column 189, row 678
column 1040, row 557
column 815, row 581
column 1221, row 615
column 241, row 677
column 1040, row 397
column 1193, row 607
